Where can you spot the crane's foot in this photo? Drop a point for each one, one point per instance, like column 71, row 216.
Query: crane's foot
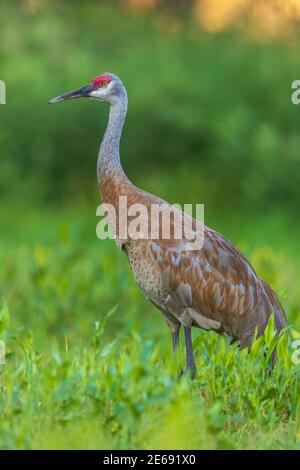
column 190, row 372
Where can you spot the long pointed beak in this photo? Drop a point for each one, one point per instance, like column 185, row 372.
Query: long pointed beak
column 72, row 95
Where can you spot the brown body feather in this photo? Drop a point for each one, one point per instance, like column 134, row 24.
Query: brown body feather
column 211, row 288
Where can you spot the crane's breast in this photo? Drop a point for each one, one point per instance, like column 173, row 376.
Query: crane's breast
column 145, row 270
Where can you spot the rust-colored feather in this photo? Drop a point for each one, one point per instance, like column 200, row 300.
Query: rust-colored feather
column 217, row 283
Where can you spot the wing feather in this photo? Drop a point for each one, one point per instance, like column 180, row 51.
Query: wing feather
column 218, row 285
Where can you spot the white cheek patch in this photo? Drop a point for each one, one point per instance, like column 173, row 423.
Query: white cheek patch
column 96, row 94
column 101, row 92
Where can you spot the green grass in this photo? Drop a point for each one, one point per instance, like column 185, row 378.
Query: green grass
column 89, row 361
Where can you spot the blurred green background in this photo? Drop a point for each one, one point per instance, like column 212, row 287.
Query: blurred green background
column 210, row 120
column 217, row 103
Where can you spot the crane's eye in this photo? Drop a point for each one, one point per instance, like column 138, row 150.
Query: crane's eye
column 104, row 83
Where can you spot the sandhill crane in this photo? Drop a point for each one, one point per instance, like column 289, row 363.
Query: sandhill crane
column 213, row 288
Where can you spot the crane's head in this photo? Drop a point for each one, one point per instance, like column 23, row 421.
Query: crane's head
column 106, row 87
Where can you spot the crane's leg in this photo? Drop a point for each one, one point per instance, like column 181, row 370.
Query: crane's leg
column 175, row 338
column 175, row 328
column 190, row 360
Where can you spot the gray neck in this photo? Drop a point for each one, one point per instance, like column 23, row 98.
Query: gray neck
column 109, row 156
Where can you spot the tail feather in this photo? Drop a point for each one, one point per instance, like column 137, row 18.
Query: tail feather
column 258, row 320
column 280, row 317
